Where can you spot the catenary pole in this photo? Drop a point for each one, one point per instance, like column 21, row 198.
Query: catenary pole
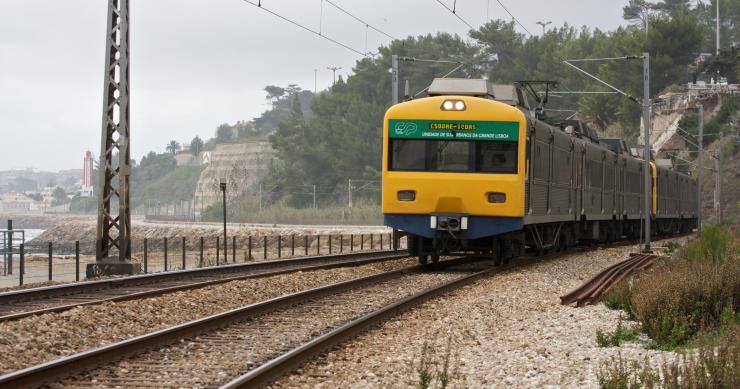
column 700, row 167
column 646, row 152
column 717, row 27
column 394, row 79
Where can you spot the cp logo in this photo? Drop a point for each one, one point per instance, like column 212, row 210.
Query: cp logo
column 405, row 128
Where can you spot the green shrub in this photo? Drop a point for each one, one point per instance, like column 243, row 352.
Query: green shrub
column 715, row 244
column 619, row 298
column 620, row 374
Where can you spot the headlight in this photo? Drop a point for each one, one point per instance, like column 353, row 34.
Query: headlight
column 453, row 105
column 496, row 197
column 406, row 195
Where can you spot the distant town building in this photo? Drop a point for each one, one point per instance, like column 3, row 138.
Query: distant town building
column 16, row 202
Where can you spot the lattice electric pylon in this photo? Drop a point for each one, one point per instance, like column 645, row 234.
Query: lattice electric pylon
column 114, row 229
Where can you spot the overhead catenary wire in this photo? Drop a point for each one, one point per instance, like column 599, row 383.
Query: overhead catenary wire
column 513, row 17
column 368, row 25
column 318, row 33
column 456, row 15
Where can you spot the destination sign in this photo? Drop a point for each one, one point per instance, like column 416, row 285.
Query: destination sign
column 453, row 129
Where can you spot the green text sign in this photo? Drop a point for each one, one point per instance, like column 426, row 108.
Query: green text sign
column 453, row 129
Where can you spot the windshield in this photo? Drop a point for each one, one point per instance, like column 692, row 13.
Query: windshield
column 453, row 156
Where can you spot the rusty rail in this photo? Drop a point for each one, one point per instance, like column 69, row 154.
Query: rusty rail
column 602, row 282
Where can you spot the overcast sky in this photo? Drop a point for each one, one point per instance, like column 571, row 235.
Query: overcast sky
column 196, row 64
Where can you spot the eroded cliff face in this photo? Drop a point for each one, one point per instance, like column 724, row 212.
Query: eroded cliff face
column 240, row 165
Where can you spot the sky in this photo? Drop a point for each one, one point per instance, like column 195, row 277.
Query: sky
column 197, row 64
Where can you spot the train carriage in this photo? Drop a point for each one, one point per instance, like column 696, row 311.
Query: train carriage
column 467, row 170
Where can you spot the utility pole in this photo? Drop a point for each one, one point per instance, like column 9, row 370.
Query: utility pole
column 114, row 228
column 544, row 24
column 717, row 27
column 349, row 193
column 646, row 154
column 260, row 197
column 394, row 79
column 334, row 72
column 700, row 167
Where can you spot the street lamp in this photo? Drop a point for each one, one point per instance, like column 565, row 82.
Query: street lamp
column 544, row 24
column 222, row 185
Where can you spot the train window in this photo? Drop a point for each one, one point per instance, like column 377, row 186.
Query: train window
column 408, row 154
column 453, row 156
column 496, row 157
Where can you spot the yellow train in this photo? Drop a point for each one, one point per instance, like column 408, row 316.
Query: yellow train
column 474, row 169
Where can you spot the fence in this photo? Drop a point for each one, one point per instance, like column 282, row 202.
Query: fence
column 11, row 242
column 181, row 253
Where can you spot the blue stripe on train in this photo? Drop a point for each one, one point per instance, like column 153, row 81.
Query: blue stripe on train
column 478, row 226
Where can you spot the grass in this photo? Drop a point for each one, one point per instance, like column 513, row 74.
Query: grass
column 622, row 334
column 363, row 214
column 435, row 370
column 716, row 364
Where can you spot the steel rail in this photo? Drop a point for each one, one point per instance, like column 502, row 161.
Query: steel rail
column 268, row 372
column 93, row 289
column 68, row 366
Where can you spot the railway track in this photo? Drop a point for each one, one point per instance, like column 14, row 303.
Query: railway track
column 252, row 345
column 28, row 302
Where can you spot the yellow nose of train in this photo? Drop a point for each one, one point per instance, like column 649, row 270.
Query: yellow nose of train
column 454, row 161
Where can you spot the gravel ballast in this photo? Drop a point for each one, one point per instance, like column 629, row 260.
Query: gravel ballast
column 42, row 338
column 508, row 330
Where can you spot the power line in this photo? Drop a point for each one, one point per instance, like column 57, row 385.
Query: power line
column 259, row 5
column 512, row 16
column 456, row 15
column 360, row 20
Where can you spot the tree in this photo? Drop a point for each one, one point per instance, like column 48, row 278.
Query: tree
column 59, row 195
column 274, row 93
column 224, row 133
column 173, row 147
column 196, row 146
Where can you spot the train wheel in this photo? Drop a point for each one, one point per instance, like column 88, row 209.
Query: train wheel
column 423, row 260
column 435, row 258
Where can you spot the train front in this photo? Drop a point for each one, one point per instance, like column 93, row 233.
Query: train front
column 454, row 170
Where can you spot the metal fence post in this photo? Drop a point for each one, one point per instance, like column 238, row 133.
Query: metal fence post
column 280, row 246
column 351, row 242
column 183, row 253
column 233, row 249
column 22, row 264
column 50, row 255
column 10, row 240
column 146, row 253
column 318, row 244
column 200, row 261
column 165, row 254
column 292, row 245
column 381, row 240
column 371, row 241
column 218, row 248
column 341, row 243
column 264, row 247
column 329, row 243
column 362, row 242
column 305, row 245
column 77, row 260
column 249, row 249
